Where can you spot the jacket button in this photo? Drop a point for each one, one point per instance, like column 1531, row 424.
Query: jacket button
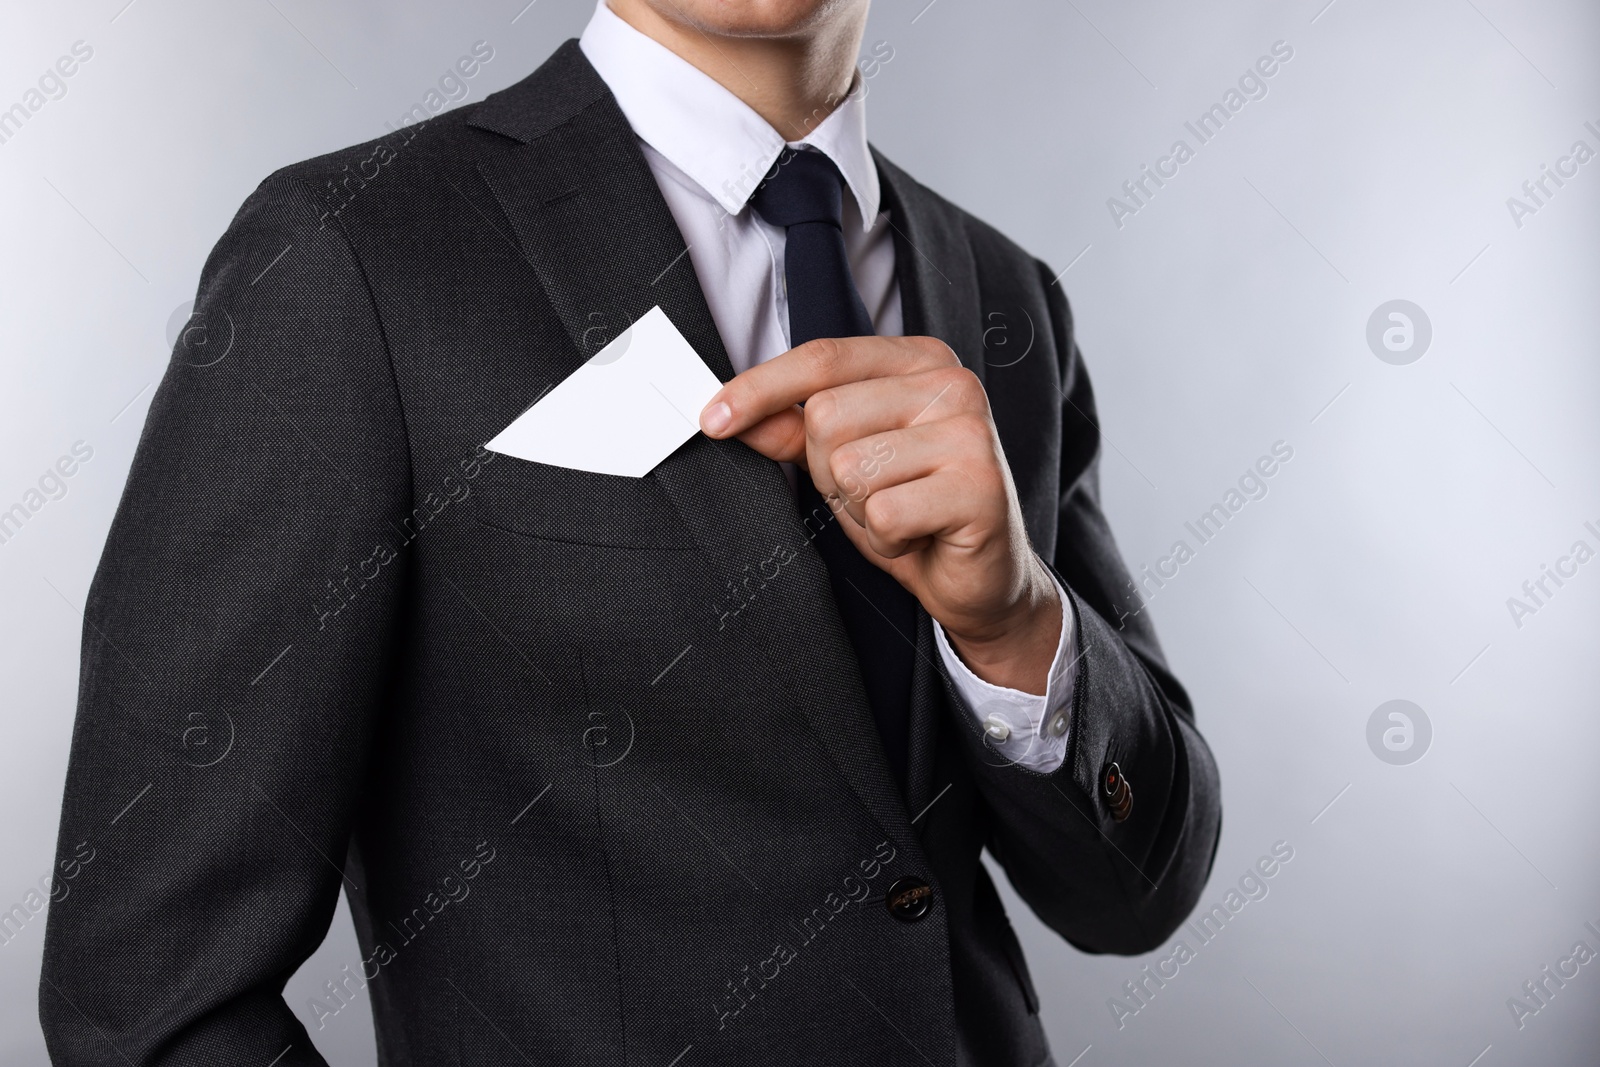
column 1117, row 792
column 909, row 899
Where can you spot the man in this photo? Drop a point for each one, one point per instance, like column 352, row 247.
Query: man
column 692, row 768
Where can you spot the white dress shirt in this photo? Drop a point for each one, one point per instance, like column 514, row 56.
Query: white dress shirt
column 708, row 151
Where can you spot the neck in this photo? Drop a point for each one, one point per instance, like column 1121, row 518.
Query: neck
column 792, row 81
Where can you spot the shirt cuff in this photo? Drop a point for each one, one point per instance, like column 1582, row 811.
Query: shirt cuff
column 1022, row 728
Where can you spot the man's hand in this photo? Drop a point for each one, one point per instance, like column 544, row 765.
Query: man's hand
column 897, row 437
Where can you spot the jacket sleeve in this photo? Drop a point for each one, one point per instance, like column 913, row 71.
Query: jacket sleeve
column 1103, row 884
column 235, row 643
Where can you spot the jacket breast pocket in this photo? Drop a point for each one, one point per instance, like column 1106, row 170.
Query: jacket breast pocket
column 577, row 507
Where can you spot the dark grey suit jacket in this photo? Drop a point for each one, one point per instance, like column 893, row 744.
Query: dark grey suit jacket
column 590, row 755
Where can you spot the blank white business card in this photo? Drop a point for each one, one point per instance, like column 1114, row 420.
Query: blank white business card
column 624, row 411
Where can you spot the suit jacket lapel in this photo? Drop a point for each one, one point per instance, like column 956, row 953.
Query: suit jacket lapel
column 934, row 266
column 939, row 296
column 591, row 221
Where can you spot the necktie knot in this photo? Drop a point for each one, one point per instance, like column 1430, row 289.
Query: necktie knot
column 801, row 187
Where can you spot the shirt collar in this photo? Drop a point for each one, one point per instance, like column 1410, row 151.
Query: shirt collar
column 715, row 138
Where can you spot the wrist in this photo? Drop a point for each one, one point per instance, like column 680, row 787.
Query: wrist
column 1017, row 649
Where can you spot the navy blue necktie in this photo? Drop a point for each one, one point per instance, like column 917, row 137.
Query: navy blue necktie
column 804, row 193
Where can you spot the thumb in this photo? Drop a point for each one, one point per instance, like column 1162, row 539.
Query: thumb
column 781, row 436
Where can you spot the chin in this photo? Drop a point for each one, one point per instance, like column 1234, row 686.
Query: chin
column 754, row 18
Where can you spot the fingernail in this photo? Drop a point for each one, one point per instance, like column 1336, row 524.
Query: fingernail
column 716, row 418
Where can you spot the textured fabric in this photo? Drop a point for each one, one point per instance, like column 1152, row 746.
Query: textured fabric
column 804, row 193
column 708, row 151
column 509, row 709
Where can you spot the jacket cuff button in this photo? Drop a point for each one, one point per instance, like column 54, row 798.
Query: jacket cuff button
column 1116, row 791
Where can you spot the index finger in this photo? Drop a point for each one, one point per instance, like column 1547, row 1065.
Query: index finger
column 806, row 370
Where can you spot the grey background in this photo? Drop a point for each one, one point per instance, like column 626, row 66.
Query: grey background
column 1228, row 314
